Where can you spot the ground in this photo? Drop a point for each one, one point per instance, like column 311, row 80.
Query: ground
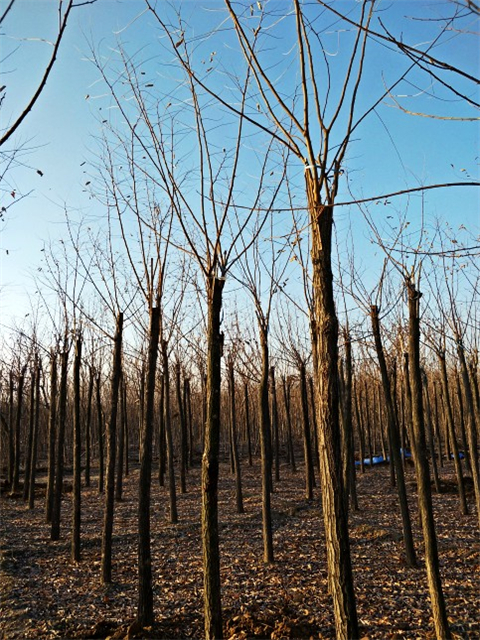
column 45, row 595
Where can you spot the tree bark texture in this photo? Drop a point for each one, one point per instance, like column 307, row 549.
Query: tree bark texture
column 77, row 453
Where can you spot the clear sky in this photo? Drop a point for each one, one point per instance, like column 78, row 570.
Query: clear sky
column 392, row 150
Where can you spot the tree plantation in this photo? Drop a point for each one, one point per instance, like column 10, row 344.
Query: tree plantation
column 243, row 400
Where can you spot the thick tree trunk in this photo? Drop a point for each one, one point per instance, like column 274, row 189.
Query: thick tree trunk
column 169, row 437
column 329, row 437
column 210, row 465
column 233, row 436
column 421, row 467
column 62, row 417
column 77, row 453
column 145, row 616
column 395, row 440
column 52, row 421
column 265, row 449
column 111, row 445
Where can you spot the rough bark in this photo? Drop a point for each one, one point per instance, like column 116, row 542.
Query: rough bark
column 101, row 461
column 111, row 435
column 394, row 439
column 307, row 440
column 210, row 464
column 77, row 454
column 233, row 436
column 421, row 467
column 276, row 439
column 329, row 437
column 169, row 437
column 265, row 449
column 62, row 416
column 52, row 421
column 145, row 615
column 36, row 419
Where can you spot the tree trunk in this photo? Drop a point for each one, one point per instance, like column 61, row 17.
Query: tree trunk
column 145, row 615
column 462, row 421
column 31, row 421
column 162, row 443
column 111, row 443
column 88, row 428
column 233, row 436
column 431, row 443
column 210, row 464
column 307, row 441
column 472, row 432
column 276, row 440
column 247, row 424
column 288, row 417
column 62, row 417
column 349, row 478
column 52, row 420
column 33, row 462
column 325, row 328
column 101, row 461
column 265, row 448
column 77, row 453
column 183, row 430
column 451, row 431
column 421, row 467
column 169, row 438
column 395, row 441
column 120, row 442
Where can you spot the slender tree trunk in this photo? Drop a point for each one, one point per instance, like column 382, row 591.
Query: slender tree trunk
column 145, row 615
column 462, row 421
column 313, row 413
column 265, row 448
column 187, row 402
column 437, row 425
column 472, row 432
column 88, row 428
column 77, row 453
column 210, row 465
column 101, row 461
column 183, row 430
column 451, row 431
column 288, row 417
column 168, row 433
column 233, row 429
column 431, row 445
column 62, row 417
column 111, row 446
column 349, row 478
column 276, row 438
column 33, row 462
column 421, row 467
column 307, row 441
column 31, row 422
column 52, row 420
column 121, row 442
column 11, row 429
column 162, row 444
column 395, row 440
column 325, row 328
column 247, row 425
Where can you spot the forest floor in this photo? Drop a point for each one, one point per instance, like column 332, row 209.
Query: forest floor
column 45, row 595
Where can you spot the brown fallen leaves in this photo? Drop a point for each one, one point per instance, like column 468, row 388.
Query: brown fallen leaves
column 45, row 595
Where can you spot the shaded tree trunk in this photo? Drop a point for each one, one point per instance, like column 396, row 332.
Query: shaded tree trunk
column 183, row 430
column 52, row 420
column 36, row 419
column 77, row 453
column 101, row 461
column 168, row 433
column 210, row 464
column 421, row 467
column 121, row 442
column 111, row 450
column 307, row 441
column 276, row 440
column 233, row 435
column 88, row 428
column 395, row 440
column 145, row 615
column 62, row 416
column 31, row 423
column 288, row 417
column 247, row 424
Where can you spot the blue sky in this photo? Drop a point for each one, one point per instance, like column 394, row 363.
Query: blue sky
column 391, row 151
